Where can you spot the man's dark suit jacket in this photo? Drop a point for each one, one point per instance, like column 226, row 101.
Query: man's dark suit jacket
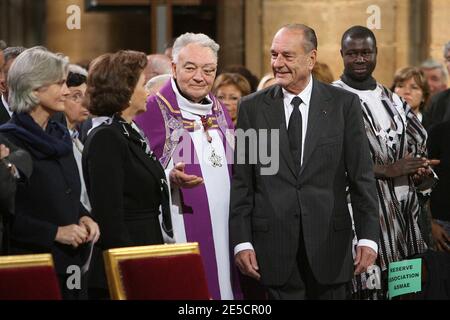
column 439, row 148
column 268, row 210
column 7, row 192
column 439, row 110
column 22, row 160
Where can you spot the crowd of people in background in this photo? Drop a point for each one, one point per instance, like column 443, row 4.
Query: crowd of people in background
column 131, row 150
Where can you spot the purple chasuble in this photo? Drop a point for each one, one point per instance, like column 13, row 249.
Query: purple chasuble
column 159, row 122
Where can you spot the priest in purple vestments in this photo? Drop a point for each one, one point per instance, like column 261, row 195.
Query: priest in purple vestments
column 191, row 134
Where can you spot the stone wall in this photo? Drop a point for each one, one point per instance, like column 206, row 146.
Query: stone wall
column 408, row 32
column 100, row 31
column 440, row 27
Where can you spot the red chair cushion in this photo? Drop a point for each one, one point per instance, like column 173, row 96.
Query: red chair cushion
column 29, row 283
column 179, row 277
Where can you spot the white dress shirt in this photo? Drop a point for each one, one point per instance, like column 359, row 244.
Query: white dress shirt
column 6, row 105
column 305, row 95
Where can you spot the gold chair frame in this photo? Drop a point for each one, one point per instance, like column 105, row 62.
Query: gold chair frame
column 27, row 260
column 112, row 258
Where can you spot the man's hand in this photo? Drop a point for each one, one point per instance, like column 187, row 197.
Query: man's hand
column 91, row 227
column 406, row 166
column 247, row 264
column 441, row 238
column 72, row 234
column 183, row 180
column 4, row 151
column 365, row 257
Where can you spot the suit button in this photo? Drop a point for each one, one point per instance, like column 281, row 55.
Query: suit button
column 299, row 186
column 69, row 191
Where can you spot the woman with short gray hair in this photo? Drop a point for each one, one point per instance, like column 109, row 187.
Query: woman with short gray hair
column 48, row 217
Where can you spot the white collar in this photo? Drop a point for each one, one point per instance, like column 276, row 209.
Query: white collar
column 305, row 95
column 189, row 106
column 97, row 121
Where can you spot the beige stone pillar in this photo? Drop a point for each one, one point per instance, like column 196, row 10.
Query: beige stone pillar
column 230, row 32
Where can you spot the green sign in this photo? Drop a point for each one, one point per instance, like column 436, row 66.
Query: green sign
column 405, row 277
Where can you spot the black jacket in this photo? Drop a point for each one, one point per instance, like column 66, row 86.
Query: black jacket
column 50, row 198
column 23, row 163
column 124, row 187
column 438, row 111
column 439, row 148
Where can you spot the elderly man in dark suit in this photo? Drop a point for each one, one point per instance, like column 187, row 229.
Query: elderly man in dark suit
column 292, row 230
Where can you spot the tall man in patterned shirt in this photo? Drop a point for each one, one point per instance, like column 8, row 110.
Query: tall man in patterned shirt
column 398, row 148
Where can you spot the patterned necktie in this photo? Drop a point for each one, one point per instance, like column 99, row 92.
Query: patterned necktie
column 295, row 133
